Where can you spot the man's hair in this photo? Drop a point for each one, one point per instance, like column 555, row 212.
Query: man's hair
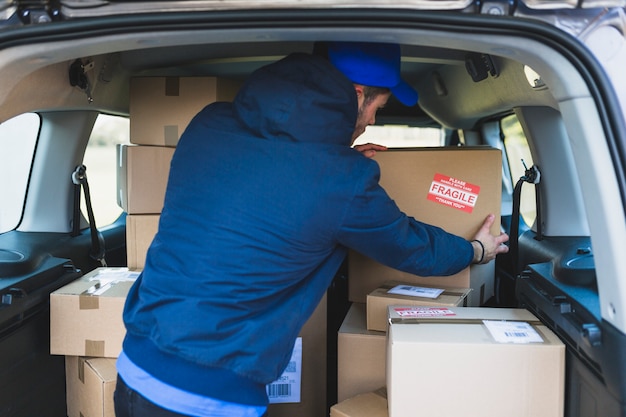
column 370, row 93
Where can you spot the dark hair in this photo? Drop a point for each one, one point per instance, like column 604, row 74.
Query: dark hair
column 370, row 93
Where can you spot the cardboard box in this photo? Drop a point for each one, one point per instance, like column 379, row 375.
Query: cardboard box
column 473, row 362
column 381, row 297
column 142, row 173
column 140, row 231
column 162, row 107
column 90, row 384
column 86, row 314
column 312, row 402
column 371, row 404
column 360, row 355
column 422, row 181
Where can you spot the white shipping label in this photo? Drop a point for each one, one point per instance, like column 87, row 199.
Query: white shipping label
column 512, row 332
column 416, row 291
column 286, row 389
column 108, row 277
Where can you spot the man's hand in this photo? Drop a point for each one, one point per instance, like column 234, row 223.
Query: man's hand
column 486, row 246
column 369, row 149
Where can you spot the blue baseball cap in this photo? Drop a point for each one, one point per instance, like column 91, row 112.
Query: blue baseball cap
column 374, row 65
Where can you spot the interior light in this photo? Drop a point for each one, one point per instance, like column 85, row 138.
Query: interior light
column 533, row 78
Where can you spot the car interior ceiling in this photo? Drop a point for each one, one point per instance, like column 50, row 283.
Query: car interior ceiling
column 452, row 95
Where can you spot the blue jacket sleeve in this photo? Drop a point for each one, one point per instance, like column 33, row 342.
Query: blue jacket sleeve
column 375, row 227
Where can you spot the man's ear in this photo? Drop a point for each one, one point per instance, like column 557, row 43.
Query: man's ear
column 360, row 94
column 359, row 90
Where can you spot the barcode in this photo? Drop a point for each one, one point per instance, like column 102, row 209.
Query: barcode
column 291, row 367
column 405, row 288
column 278, row 390
column 516, row 334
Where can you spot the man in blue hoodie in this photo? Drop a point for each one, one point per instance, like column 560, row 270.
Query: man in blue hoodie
column 264, row 197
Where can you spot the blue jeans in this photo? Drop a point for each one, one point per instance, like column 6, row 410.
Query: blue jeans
column 129, row 403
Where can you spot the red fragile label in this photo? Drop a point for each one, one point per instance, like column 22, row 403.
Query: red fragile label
column 453, row 192
column 423, row 311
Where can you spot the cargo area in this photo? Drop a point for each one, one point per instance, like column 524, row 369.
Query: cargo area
column 369, row 338
column 519, row 115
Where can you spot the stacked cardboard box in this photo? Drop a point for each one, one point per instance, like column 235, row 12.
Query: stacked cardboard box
column 361, row 341
column 392, row 293
column 472, row 361
column 453, row 188
column 90, row 384
column 369, row 404
column 360, row 355
column 86, row 326
column 160, row 110
column 162, row 107
column 469, row 361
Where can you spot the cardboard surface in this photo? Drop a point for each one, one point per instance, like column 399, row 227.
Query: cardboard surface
column 380, row 298
column 493, row 362
column 90, row 384
column 162, row 107
column 360, row 355
column 422, row 182
column 86, row 314
column 371, row 404
column 142, row 173
column 140, row 231
column 314, row 358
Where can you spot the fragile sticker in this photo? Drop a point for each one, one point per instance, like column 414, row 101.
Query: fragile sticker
column 424, row 312
column 453, row 192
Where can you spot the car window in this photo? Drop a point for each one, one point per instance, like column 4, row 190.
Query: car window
column 399, row 136
column 519, row 159
column 18, row 137
column 100, row 160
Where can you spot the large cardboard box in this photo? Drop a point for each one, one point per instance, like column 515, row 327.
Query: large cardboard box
column 393, row 293
column 86, row 314
column 90, row 384
column 142, row 173
column 162, row 107
column 370, row 404
column 360, row 355
column 473, row 362
column 312, row 379
column 140, row 231
column 454, row 188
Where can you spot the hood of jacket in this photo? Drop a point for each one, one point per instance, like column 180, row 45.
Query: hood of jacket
column 301, row 98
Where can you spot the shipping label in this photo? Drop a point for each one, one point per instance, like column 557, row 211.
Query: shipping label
column 286, row 389
column 453, row 192
column 416, row 291
column 107, row 278
column 512, row 332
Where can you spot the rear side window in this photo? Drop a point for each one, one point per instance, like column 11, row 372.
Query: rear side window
column 101, row 163
column 18, row 137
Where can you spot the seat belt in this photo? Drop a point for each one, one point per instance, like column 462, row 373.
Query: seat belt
column 531, row 175
column 79, row 178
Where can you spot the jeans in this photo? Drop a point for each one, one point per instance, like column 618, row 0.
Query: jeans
column 129, row 403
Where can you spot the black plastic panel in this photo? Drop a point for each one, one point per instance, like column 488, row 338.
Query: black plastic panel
column 32, row 382
column 596, row 359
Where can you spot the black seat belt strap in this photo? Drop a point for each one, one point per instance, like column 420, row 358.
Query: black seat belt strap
column 532, row 175
column 79, row 178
